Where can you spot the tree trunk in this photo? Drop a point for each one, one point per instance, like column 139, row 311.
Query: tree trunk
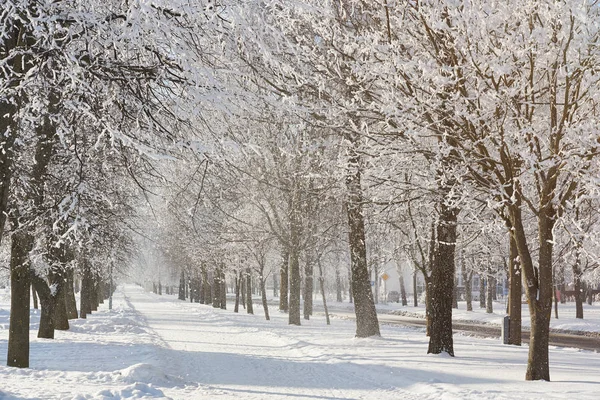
column 223, row 290
column 442, row 278
column 238, row 284
column 84, row 307
column 283, row 285
column 47, row 302
column 367, row 323
column 455, row 294
column 8, row 133
column 35, row 298
column 263, row 292
column 181, row 294
column 403, row 291
column 295, row 281
column 338, row 286
column 579, row 293
column 216, row 293
column 415, row 294
column 94, row 300
column 91, row 292
column 201, row 287
column 20, row 283
column 94, row 292
column 190, row 287
column 350, row 297
column 45, row 133
column 489, row 305
column 249, row 307
column 308, row 289
column 429, row 282
column 428, row 289
column 322, row 283
column 514, row 297
column 207, row 289
column 187, row 287
column 86, row 291
column 100, row 290
column 13, row 38
column 481, row 291
column 22, row 243
column 555, row 298
column 60, row 318
column 468, row 282
column 70, row 303
column 198, row 288
column 97, row 292
column 375, row 286
column 243, row 289
column 59, row 257
column 560, row 283
column 539, row 288
column 538, row 360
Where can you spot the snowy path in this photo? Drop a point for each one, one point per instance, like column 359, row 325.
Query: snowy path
column 157, row 347
column 244, row 356
column 238, row 360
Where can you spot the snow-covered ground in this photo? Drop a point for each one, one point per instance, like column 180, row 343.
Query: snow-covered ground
column 152, row 346
column 566, row 314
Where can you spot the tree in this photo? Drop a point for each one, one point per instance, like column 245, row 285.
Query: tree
column 323, row 83
column 49, row 49
column 578, row 236
column 518, row 111
column 260, row 248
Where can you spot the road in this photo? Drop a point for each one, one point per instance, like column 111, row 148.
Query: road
column 560, row 339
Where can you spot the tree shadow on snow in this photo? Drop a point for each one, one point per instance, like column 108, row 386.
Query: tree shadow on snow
column 218, row 368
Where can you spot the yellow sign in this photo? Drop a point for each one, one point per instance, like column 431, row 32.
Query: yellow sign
column 385, row 276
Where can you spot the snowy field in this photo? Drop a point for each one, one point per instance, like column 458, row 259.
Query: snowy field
column 153, row 346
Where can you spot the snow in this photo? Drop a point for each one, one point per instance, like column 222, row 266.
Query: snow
column 566, row 314
column 157, row 347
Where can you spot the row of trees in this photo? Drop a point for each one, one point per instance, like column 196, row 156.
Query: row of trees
column 302, row 133
column 77, row 120
column 449, row 121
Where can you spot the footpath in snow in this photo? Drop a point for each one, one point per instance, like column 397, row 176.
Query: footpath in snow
column 152, row 346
